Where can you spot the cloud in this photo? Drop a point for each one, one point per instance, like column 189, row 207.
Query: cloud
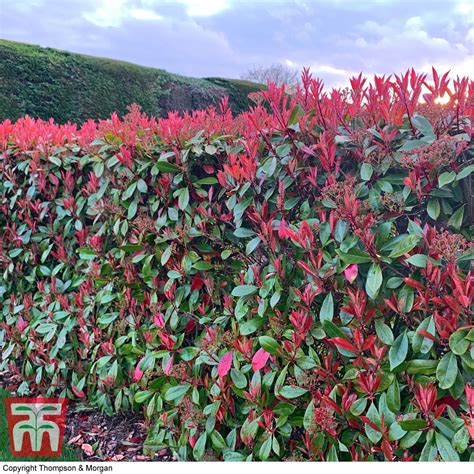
column 144, row 14
column 204, row 7
column 114, row 13
column 108, row 13
column 204, row 38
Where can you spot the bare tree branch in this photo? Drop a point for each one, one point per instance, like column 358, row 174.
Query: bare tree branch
column 277, row 72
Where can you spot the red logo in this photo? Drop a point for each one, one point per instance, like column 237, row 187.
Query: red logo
column 36, row 425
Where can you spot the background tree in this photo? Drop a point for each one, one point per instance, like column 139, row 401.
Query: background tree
column 277, row 72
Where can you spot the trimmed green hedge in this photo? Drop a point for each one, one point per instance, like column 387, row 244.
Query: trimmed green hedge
column 46, row 82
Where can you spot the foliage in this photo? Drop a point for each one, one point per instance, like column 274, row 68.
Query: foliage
column 46, row 82
column 289, row 283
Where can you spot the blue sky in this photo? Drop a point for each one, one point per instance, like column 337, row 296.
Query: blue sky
column 336, row 38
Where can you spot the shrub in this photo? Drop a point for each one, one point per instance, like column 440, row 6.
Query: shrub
column 290, row 283
column 47, row 82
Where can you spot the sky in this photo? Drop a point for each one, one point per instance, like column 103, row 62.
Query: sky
column 208, row 38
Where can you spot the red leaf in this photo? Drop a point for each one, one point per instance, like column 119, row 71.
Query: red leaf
column 370, row 423
column 224, row 364
column 138, row 372
column 158, row 320
column 343, row 344
column 78, row 393
column 306, row 268
column 426, row 334
column 169, row 366
column 260, row 359
column 351, row 272
column 413, row 283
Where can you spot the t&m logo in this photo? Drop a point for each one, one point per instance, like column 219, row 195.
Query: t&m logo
column 36, row 425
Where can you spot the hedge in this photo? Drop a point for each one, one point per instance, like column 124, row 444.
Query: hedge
column 292, row 283
column 46, row 82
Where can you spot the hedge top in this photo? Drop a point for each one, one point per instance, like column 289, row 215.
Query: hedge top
column 46, row 82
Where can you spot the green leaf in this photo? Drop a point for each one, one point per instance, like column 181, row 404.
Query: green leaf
column 239, row 379
column 446, row 178
column 244, row 290
column 404, row 246
column 413, row 425
column 458, row 343
column 374, row 416
column 166, row 167
column 132, row 210
column 165, row 256
column 420, row 343
column 421, row 366
column 456, row 219
column 290, row 392
column 429, row 452
column 358, row 407
column 423, row 125
column 218, row 442
column 410, row 439
column 55, row 160
column 433, row 208
column 384, row 333
column 411, row 144
column 200, row 446
column 87, row 254
column 207, row 181
column 341, row 230
column 327, row 308
column 393, row 396
column 202, row 265
column 142, row 396
column 275, row 299
column 461, row 440
column 251, row 326
column 398, row 352
column 225, row 254
column 464, row 173
column 242, row 233
column 332, row 330
column 183, row 199
column 296, row 114
column 265, row 449
column 447, row 370
column 354, row 256
column 129, row 191
column 446, row 450
column 252, row 245
column 283, row 150
column 332, row 454
column 366, row 171
column 131, row 248
column 308, row 416
column 374, row 280
column 141, row 185
column 173, row 393
column 269, row 344
column 418, row 260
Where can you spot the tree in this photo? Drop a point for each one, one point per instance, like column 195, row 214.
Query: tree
column 277, row 72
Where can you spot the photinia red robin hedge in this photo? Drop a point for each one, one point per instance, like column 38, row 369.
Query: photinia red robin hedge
column 292, row 283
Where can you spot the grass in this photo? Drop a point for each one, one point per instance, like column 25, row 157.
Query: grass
column 68, row 453
column 47, row 82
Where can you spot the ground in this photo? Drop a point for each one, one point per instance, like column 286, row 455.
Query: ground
column 89, row 436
